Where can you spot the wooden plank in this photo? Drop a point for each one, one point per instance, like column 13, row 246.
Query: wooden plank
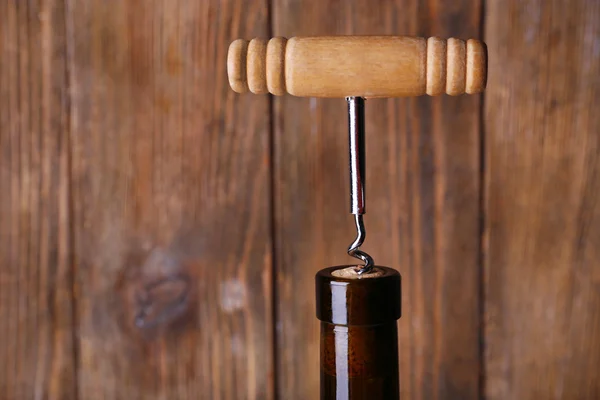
column 543, row 200
column 36, row 341
column 423, row 174
column 171, row 194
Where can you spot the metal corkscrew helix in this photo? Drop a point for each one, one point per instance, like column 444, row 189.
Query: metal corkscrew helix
column 356, row 130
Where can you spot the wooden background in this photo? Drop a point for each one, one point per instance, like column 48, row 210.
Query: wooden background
column 159, row 234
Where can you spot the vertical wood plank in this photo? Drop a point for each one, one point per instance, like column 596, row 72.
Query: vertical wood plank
column 423, row 174
column 171, row 187
column 543, row 200
column 36, row 341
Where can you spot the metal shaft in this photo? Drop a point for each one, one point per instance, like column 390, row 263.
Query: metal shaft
column 356, row 124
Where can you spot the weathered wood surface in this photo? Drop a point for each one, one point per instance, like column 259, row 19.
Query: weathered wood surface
column 542, row 183
column 37, row 351
column 423, row 174
column 137, row 245
column 171, row 212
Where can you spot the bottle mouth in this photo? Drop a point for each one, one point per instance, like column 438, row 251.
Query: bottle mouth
column 346, row 298
column 353, row 272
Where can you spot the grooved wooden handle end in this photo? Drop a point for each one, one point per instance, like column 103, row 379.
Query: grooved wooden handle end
column 368, row 66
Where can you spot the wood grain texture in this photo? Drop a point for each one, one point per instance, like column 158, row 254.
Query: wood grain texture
column 36, row 326
column 422, row 218
column 543, row 200
column 171, row 204
column 135, row 246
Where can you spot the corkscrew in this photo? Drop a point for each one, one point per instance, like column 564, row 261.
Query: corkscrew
column 356, row 130
column 358, row 305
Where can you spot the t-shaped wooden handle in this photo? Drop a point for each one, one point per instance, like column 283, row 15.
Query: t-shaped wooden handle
column 366, row 66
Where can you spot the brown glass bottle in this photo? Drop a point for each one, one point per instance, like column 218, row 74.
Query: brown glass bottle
column 359, row 334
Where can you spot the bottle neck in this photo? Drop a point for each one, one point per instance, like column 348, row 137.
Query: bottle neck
column 359, row 333
column 359, row 362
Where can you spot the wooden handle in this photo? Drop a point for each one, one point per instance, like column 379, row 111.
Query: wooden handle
column 367, row 66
